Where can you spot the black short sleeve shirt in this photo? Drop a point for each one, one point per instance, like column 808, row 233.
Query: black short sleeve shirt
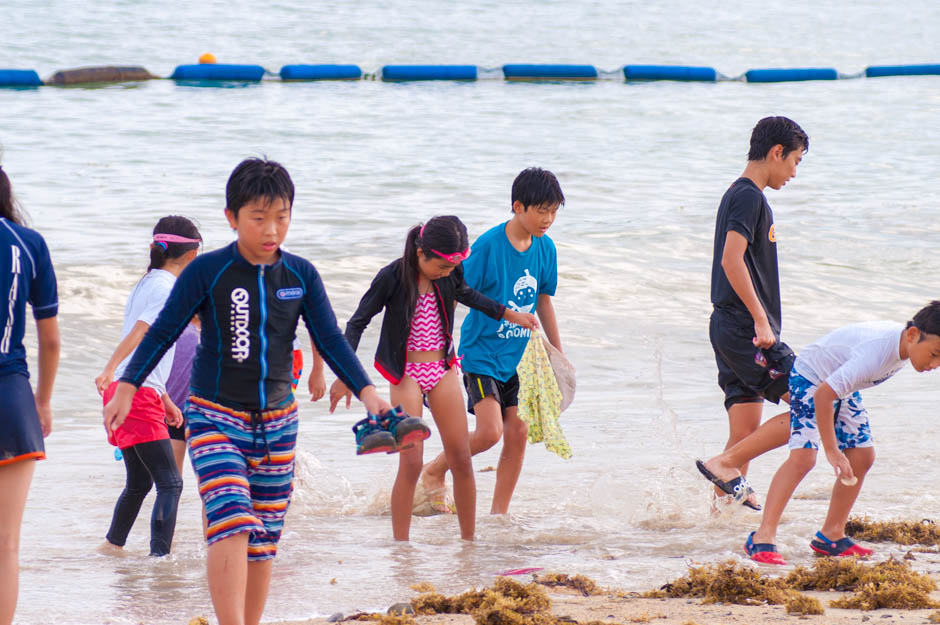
column 745, row 210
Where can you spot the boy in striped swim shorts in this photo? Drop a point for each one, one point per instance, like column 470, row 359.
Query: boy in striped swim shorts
column 241, row 415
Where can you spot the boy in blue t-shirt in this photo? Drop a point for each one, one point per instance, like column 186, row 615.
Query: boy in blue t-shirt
column 515, row 264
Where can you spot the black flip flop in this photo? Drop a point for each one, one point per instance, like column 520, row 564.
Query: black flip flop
column 739, row 488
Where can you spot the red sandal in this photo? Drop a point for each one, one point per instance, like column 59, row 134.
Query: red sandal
column 764, row 553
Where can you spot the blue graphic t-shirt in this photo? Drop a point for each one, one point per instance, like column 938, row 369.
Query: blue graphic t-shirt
column 512, row 278
column 26, row 275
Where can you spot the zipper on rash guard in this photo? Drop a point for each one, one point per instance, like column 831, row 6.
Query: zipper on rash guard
column 264, row 338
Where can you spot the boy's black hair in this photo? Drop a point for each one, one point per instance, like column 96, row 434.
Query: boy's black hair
column 444, row 233
column 772, row 131
column 255, row 178
column 172, row 224
column 537, row 187
column 927, row 319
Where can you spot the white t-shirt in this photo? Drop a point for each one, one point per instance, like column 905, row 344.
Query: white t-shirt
column 853, row 357
column 144, row 304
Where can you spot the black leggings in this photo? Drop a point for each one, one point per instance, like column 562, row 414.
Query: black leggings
column 146, row 464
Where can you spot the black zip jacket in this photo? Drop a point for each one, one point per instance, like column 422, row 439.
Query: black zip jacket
column 386, row 291
column 249, row 317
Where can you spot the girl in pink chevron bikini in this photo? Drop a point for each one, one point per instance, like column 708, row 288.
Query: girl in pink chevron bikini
column 416, row 354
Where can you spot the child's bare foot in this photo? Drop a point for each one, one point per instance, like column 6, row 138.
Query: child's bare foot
column 430, row 496
column 432, row 483
column 107, row 548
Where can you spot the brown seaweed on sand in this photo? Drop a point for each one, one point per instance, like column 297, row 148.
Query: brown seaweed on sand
column 725, row 582
column 504, row 596
column 382, row 619
column 890, row 584
column 506, row 602
column 924, row 532
column 585, row 585
column 798, row 603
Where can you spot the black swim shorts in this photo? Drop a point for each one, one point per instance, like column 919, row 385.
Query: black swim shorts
column 479, row 386
column 744, row 376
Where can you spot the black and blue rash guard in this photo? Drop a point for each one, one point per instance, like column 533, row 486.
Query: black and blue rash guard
column 249, row 316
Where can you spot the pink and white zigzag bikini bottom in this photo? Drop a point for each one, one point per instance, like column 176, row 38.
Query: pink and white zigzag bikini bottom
column 426, row 374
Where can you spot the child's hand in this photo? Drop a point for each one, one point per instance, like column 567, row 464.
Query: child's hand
column 763, row 335
column 45, row 418
column 338, row 390
column 115, row 411
column 103, row 381
column 173, row 415
column 526, row 320
column 840, row 463
column 373, row 403
column 316, row 384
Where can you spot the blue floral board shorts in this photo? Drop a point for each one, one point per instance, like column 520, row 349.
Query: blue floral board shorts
column 851, row 425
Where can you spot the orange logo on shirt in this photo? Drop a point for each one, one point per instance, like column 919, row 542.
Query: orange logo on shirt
column 772, row 235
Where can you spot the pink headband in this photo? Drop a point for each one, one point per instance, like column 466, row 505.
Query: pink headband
column 173, row 238
column 455, row 258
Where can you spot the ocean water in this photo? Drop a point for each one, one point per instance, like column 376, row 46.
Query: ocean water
column 643, row 167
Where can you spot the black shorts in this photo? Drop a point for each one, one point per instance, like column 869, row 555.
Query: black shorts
column 740, row 376
column 20, row 431
column 479, row 386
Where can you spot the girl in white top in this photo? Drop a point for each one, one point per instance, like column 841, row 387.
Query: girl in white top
column 826, row 409
column 143, row 438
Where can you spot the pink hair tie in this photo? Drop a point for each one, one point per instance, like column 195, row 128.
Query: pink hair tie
column 173, row 238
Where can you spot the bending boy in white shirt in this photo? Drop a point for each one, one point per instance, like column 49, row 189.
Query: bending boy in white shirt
column 826, row 409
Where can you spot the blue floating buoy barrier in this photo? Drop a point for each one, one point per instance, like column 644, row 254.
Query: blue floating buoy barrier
column 669, row 72
column 788, row 75
column 878, row 71
column 429, row 72
column 550, row 72
column 218, row 71
column 321, row 72
column 106, row 73
column 19, row 78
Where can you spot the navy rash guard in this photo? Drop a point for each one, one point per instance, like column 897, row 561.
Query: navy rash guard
column 249, row 316
column 26, row 275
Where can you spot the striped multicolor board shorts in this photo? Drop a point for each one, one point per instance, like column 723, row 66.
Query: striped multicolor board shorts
column 245, row 465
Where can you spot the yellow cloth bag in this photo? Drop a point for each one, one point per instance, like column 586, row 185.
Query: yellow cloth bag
column 540, row 398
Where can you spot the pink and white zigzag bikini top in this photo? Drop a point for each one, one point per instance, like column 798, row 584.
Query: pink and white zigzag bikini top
column 427, row 332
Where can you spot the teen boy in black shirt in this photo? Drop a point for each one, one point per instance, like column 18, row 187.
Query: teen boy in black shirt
column 753, row 364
